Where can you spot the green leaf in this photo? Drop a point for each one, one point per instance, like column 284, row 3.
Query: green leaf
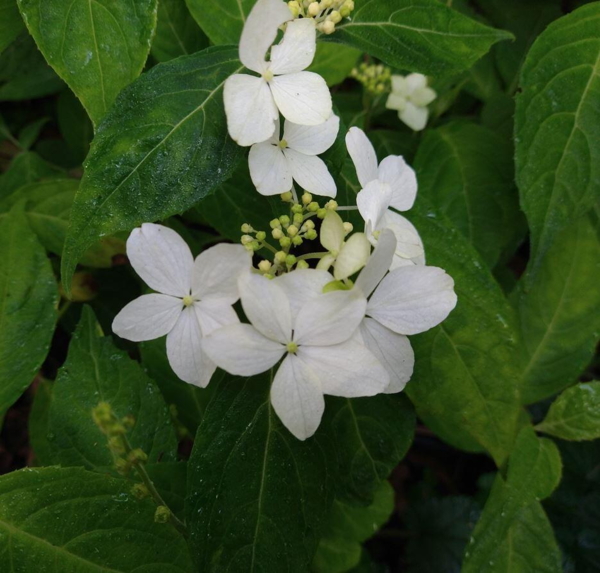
column 96, row 371
column 189, row 401
column 11, row 22
column 74, row 124
column 371, row 436
column 74, row 521
column 575, row 414
column 38, row 424
column 464, row 384
column 465, row 171
column 162, row 148
column 25, row 168
column 334, row 63
column 557, row 127
column 258, row 498
column 559, row 309
column 24, row 74
column 97, row 48
column 340, row 548
column 48, row 204
column 513, row 531
column 221, row 20
column 439, row 529
column 30, row 133
column 177, row 34
column 28, row 299
column 423, row 36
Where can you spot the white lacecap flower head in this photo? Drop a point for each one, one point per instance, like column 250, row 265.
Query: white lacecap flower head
column 410, row 97
column 252, row 104
column 291, row 318
column 193, row 297
column 391, row 183
column 275, row 163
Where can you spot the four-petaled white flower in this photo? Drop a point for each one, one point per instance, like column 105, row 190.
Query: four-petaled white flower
column 193, row 298
column 275, row 162
column 252, row 104
column 409, row 300
column 410, row 97
column 392, row 183
column 311, row 331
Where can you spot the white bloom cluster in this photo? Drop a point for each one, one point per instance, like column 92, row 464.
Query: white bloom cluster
column 338, row 329
column 410, row 97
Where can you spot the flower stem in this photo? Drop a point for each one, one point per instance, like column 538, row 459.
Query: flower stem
column 311, row 256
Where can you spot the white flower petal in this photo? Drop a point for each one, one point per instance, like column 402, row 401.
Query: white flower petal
column 352, row 257
column 161, row 258
column 297, row 397
column 396, row 102
column 349, row 369
column 330, row 318
column 399, row 85
column 378, row 264
column 241, row 350
column 363, row 155
column 302, row 98
column 216, row 271
column 260, row 31
column 325, row 263
column 303, row 285
column 409, row 247
column 269, row 169
column 267, row 307
column 393, row 351
column 402, row 180
column 311, row 139
column 250, row 109
column 373, row 201
column 184, row 351
column 413, row 299
column 214, row 314
column 415, row 82
column 332, row 232
column 311, row 173
column 423, row 96
column 413, row 116
column 147, row 317
column 296, row 50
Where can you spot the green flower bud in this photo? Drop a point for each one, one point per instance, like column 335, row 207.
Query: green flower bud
column 287, row 196
column 277, row 234
column 334, row 17
column 264, row 266
column 297, row 208
column 140, row 491
column 275, row 224
column 348, row 227
column 309, row 224
column 298, row 219
column 284, row 220
column 311, row 234
column 313, row 9
column 247, row 228
column 313, row 207
column 285, row 242
column 297, row 241
column 246, row 239
column 137, row 456
column 321, row 213
column 261, row 236
column 162, row 514
column 290, row 260
column 255, row 245
column 331, row 205
column 328, row 27
column 115, row 445
column 292, row 230
column 280, row 257
column 306, row 198
column 302, row 264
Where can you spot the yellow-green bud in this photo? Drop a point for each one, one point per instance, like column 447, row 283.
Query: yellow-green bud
column 302, row 264
column 122, row 466
column 331, row 205
column 292, row 230
column 290, row 260
column 324, row 4
column 261, row 236
column 285, row 242
column 275, row 224
column 137, row 456
column 102, row 414
column 345, row 12
column 297, row 240
column 162, row 514
column 269, row 276
column 328, row 27
column 284, row 220
column 140, row 491
column 309, row 224
column 264, row 266
column 298, row 219
column 294, row 8
column 321, row 213
column 313, row 207
column 311, row 234
column 313, row 9
column 247, row 228
column 334, row 17
column 277, row 234
column 115, row 444
column 348, row 227
column 280, row 257
column 297, row 209
column 246, row 239
column 287, row 196
column 255, row 245
column 306, row 198
column 128, row 421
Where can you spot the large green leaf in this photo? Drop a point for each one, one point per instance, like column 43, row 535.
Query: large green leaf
column 513, row 532
column 557, row 127
column 221, row 20
column 465, row 171
column 559, row 309
column 575, row 415
column 163, row 147
column 72, row 521
column 424, row 36
column 11, row 22
column 348, row 527
column 48, row 205
column 334, row 62
column 371, row 436
column 28, row 299
column 96, row 47
column 96, row 371
column 26, row 168
column 464, row 384
column 177, row 34
column 257, row 497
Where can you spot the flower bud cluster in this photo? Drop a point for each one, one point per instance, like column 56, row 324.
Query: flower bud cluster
column 326, row 13
column 376, row 78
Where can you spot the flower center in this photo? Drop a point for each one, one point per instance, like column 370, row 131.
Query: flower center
column 283, row 144
column 188, row 300
column 267, row 75
column 292, row 347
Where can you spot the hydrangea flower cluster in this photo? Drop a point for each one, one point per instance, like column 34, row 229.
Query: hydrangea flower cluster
column 333, row 318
